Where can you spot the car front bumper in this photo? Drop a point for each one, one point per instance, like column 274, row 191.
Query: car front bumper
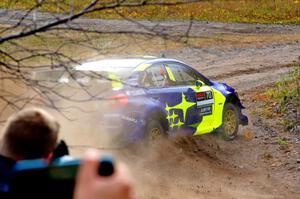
column 243, row 119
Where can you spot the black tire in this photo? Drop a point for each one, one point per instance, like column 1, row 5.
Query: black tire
column 154, row 131
column 230, row 122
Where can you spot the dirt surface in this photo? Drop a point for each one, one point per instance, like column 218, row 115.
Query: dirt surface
column 251, row 166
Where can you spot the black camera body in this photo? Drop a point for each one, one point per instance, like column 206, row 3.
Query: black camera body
column 38, row 179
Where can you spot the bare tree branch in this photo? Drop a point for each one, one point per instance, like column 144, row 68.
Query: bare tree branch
column 24, row 48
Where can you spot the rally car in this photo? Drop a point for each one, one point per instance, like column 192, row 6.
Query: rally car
column 150, row 97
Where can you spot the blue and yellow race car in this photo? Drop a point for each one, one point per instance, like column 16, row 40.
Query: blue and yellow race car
column 150, row 97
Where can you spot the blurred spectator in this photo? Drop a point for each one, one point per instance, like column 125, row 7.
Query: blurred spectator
column 29, row 134
column 90, row 185
column 32, row 134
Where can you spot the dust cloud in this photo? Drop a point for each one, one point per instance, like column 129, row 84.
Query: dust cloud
column 81, row 125
column 191, row 167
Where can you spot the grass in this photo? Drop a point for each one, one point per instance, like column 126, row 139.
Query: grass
column 286, row 95
column 282, row 142
column 246, row 11
column 286, row 90
column 281, row 103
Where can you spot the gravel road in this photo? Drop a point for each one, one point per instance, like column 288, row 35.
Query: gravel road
column 203, row 28
column 238, row 66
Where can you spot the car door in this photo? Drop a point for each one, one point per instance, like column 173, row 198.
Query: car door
column 165, row 93
column 197, row 101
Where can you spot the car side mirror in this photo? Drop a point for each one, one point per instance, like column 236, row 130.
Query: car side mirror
column 199, row 83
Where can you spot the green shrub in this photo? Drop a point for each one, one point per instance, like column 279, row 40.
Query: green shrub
column 282, row 141
column 287, row 89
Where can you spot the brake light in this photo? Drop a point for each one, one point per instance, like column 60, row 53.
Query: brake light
column 118, row 100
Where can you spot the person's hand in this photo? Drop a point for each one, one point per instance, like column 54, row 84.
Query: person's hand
column 90, row 185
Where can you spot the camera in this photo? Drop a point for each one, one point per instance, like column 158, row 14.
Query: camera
column 38, row 179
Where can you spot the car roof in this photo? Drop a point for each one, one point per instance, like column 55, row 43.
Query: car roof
column 110, row 64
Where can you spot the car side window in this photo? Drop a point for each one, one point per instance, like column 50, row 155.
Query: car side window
column 155, row 76
column 182, row 74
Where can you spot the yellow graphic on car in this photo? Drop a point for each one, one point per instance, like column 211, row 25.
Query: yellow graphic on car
column 116, row 83
column 172, row 117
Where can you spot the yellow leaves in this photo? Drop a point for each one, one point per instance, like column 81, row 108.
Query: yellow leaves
column 261, row 97
column 267, row 11
column 248, row 135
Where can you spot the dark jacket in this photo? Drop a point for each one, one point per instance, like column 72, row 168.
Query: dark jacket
column 6, row 166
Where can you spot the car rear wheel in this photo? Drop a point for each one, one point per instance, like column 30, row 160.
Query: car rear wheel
column 154, row 131
column 230, row 125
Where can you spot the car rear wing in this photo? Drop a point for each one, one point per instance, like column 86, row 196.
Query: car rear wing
column 67, row 81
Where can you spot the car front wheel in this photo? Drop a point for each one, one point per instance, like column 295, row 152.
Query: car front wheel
column 230, row 125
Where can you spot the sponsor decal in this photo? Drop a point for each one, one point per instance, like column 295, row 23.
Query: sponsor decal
column 200, row 96
column 136, row 92
column 128, row 118
column 205, row 100
column 206, row 110
column 204, row 95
